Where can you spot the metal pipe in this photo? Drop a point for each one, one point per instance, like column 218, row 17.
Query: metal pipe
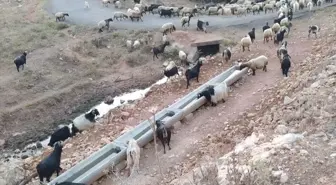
column 92, row 168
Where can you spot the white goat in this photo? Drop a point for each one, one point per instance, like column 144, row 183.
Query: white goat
column 133, row 156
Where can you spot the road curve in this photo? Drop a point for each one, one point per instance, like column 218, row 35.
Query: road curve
column 90, row 17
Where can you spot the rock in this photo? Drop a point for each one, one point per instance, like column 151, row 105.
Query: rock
column 304, row 152
column 25, row 156
column 281, row 129
column 333, row 155
column 283, row 178
column 38, row 145
column 288, row 100
column 125, row 114
column 17, row 151
column 2, row 143
column 109, row 100
column 122, row 101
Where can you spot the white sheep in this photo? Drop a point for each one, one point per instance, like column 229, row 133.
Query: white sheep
column 268, row 33
column 241, row 11
column 278, row 5
column 119, row 16
column 276, row 27
column 182, row 56
column 268, row 7
column 129, row 12
column 106, row 2
column 60, row 16
column 136, row 44
column 219, row 92
column 86, row 5
column 295, row 6
column 256, row 8
column 164, row 38
column 117, row 4
column 133, row 156
column 137, row 9
column 129, row 44
column 285, row 28
column 168, row 27
column 186, row 19
column 310, row 6
column 246, row 42
column 186, row 10
column 284, row 22
column 213, row 10
column 104, row 23
column 227, row 11
column 256, row 63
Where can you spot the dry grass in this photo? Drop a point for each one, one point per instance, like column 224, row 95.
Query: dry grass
column 26, row 29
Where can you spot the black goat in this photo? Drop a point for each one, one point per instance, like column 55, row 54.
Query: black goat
column 252, row 34
column 62, row 134
column 159, row 49
column 136, row 1
column 20, row 61
column 279, row 37
column 290, row 14
column 69, row 183
column 164, row 134
column 152, row 7
column 50, row 164
column 286, row 63
column 207, row 92
column 265, row 27
column 166, row 13
column 278, row 20
column 193, row 72
column 201, row 25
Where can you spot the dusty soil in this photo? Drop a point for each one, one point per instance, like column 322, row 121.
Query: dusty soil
column 225, row 121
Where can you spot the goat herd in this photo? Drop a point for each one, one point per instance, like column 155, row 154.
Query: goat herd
column 212, row 94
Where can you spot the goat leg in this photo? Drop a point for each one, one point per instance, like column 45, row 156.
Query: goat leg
column 164, row 148
column 17, row 67
column 22, row 67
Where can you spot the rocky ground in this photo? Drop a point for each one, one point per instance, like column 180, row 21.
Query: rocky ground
column 293, row 132
column 230, row 123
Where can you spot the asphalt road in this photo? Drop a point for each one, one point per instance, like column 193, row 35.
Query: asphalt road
column 96, row 13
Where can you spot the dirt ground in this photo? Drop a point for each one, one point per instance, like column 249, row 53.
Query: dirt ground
column 245, row 95
column 69, row 69
column 64, row 72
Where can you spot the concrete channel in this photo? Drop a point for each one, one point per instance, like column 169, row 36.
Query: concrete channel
column 93, row 167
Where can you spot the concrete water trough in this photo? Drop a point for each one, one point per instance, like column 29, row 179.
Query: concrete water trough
column 94, row 167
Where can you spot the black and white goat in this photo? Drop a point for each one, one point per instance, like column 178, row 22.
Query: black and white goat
column 86, row 121
column 62, row 134
column 193, row 72
column 201, row 25
column 104, row 24
column 50, row 164
column 313, row 29
column 159, row 49
column 163, row 133
column 227, row 54
column 278, row 20
column 216, row 93
column 171, row 70
column 20, row 61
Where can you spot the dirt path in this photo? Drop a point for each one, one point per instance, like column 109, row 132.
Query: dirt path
column 211, row 120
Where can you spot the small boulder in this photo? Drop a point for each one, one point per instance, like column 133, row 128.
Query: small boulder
column 38, row 145
column 281, row 129
column 125, row 114
column 288, row 100
column 109, row 100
